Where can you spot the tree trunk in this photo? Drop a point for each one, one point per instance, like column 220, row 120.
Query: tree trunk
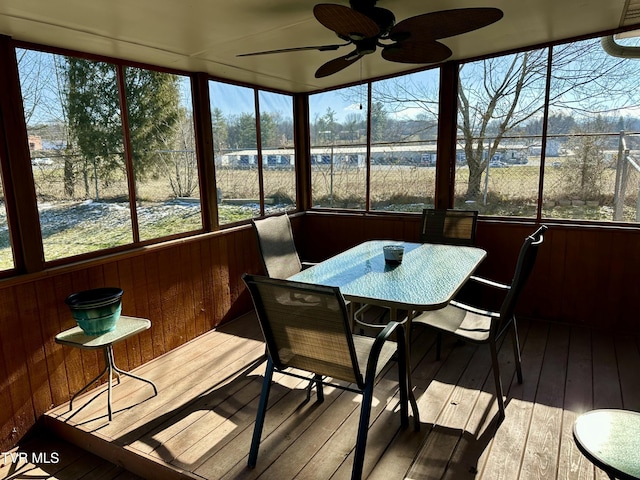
column 476, row 167
column 69, row 178
column 474, row 184
column 85, row 176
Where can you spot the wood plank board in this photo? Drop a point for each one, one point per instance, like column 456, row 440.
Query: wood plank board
column 543, row 439
column 572, row 465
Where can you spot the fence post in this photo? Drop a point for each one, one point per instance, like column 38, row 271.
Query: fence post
column 638, row 204
column 619, row 193
column 486, row 185
column 331, row 179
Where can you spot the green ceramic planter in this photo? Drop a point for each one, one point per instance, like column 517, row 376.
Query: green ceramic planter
column 96, row 311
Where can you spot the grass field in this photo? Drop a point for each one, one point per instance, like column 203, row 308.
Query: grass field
column 80, row 225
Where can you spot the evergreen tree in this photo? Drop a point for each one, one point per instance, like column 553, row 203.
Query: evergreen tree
column 378, row 122
column 95, row 118
column 220, row 130
column 242, row 131
column 153, row 106
column 269, row 129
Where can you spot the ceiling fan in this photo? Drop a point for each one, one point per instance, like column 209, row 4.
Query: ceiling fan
column 413, row 40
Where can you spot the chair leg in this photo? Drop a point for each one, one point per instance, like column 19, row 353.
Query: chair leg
column 319, row 391
column 262, row 410
column 516, row 350
column 316, row 381
column 496, row 377
column 363, row 430
column 438, row 345
column 403, row 374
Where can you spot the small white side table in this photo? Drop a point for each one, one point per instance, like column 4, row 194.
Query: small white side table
column 125, row 328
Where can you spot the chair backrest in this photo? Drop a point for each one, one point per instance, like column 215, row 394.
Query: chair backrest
column 524, row 267
column 277, row 248
column 305, row 326
column 453, row 227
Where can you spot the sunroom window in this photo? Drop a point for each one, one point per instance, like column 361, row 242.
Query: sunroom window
column 103, row 179
column 500, row 106
column 404, row 131
column 163, row 152
column 338, row 124
column 567, row 151
column 252, row 178
column 6, row 250
column 278, row 155
column 592, row 167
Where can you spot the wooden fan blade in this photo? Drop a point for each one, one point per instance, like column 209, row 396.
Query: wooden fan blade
column 416, row 52
column 337, row 64
column 346, row 22
column 445, row 23
column 322, row 48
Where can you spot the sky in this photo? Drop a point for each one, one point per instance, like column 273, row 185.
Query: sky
column 41, row 91
column 42, row 97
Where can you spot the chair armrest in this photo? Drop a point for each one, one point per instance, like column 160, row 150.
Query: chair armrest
column 381, row 338
column 478, row 311
column 490, row 283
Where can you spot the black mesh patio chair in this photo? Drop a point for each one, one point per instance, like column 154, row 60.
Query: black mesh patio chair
column 277, row 248
column 306, row 327
column 477, row 325
column 452, row 227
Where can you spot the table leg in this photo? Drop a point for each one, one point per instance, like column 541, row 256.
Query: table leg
column 83, row 389
column 393, row 316
column 110, row 369
column 129, row 374
column 108, row 359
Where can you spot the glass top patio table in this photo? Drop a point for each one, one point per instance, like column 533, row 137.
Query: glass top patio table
column 427, row 279
column 610, row 439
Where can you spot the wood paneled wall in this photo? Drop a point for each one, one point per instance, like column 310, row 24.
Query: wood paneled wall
column 185, row 289
column 583, row 276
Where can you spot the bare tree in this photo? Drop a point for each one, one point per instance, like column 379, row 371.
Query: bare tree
column 43, row 88
column 500, row 96
column 496, row 96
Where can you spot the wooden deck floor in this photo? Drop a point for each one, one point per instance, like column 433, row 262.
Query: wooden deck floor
column 200, row 424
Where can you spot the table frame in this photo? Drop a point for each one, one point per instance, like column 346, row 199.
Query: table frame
column 125, row 328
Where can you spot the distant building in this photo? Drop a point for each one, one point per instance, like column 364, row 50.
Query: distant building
column 552, row 149
column 35, row 143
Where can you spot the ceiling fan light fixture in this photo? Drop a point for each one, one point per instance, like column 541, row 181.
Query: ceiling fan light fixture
column 366, row 50
column 366, row 46
column 356, row 37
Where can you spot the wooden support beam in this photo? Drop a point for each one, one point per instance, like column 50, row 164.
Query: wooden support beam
column 17, row 176
column 447, row 132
